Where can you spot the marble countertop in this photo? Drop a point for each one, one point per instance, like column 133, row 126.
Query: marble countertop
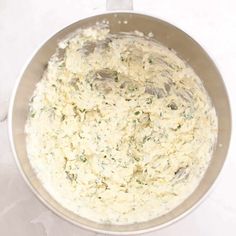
column 25, row 24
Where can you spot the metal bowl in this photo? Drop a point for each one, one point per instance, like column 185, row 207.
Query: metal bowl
column 168, row 35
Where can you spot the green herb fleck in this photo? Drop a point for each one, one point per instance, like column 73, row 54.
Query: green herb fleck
column 132, row 88
column 137, row 113
column 146, row 138
column 71, row 176
column 63, row 117
column 83, row 158
column 32, row 99
column 136, row 158
column 32, row 114
column 173, row 106
column 149, row 100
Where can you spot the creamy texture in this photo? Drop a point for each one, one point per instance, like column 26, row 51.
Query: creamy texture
column 120, row 129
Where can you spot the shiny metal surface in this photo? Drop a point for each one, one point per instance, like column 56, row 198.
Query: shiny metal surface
column 168, row 35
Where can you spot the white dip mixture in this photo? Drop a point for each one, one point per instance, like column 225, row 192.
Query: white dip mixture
column 120, row 129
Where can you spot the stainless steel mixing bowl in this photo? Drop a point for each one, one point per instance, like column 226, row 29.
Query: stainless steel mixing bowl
column 171, row 37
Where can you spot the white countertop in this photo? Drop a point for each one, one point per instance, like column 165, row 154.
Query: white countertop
column 25, row 24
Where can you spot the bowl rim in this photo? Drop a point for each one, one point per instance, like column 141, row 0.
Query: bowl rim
column 53, row 209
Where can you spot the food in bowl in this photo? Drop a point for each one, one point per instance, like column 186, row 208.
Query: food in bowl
column 120, row 129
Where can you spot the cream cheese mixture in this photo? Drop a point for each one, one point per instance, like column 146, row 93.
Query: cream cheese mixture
column 120, row 129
